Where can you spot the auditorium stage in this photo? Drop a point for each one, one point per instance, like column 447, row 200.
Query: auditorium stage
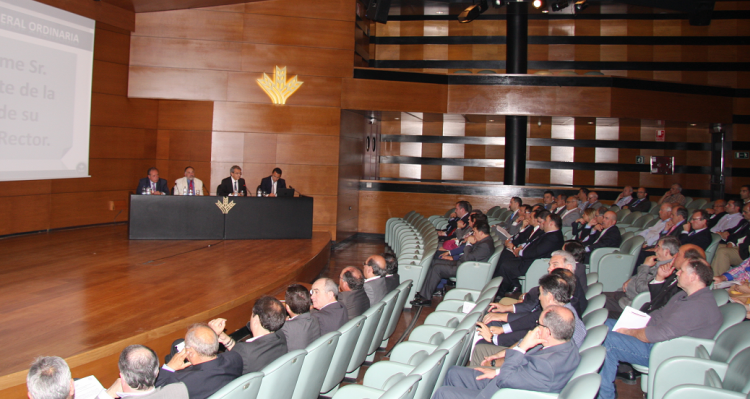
column 84, row 294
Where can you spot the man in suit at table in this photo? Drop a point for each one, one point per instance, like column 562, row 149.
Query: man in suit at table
column 158, row 186
column 188, row 185
column 375, row 285
column 352, row 292
column 330, row 313
column 543, row 361
column 232, row 184
column 139, row 367
column 300, row 328
column 206, row 371
column 608, row 236
column 272, row 183
column 268, row 342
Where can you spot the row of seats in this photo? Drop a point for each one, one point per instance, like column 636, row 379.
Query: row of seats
column 297, row 375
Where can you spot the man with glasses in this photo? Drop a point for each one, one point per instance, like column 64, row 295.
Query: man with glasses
column 640, row 203
column 570, row 213
column 234, row 184
column 696, row 232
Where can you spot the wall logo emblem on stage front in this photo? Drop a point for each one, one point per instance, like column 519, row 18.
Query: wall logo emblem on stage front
column 279, row 89
column 226, row 206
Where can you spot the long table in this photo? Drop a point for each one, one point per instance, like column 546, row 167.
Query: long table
column 168, row 217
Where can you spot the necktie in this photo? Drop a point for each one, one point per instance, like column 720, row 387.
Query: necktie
column 235, row 186
column 153, row 186
column 190, row 186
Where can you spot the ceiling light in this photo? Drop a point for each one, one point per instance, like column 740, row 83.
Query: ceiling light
column 492, row 120
column 581, row 5
column 559, row 5
column 472, row 12
column 590, row 123
column 498, row 3
column 693, row 125
column 537, row 3
column 396, row 118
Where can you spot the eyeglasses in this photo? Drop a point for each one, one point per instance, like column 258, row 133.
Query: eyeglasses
column 540, row 324
column 696, row 219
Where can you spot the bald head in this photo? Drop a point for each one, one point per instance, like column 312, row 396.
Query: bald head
column 687, row 252
column 201, row 341
column 351, row 279
column 375, row 266
column 560, row 321
column 610, row 219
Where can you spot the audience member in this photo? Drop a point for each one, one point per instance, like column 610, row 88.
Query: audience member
column 479, row 247
column 392, row 279
column 603, row 235
column 463, row 208
column 514, row 205
column 673, row 196
column 352, row 292
column 593, row 201
column 653, row 233
column 735, row 248
column 300, row 328
column 570, row 213
column 696, row 232
column 156, row 185
column 268, row 342
column 518, row 224
column 559, row 205
column 640, row 203
column 542, row 247
column 49, row 378
column 745, row 194
column 544, row 361
column 233, row 184
column 625, row 197
column 374, row 270
column 577, row 251
column 139, row 367
column 664, row 253
column 664, row 285
column 583, row 198
column 717, row 211
column 199, row 365
column 580, row 229
column 673, row 227
column 188, row 185
column 548, row 200
column 676, row 319
column 533, row 229
column 331, row 314
column 731, row 219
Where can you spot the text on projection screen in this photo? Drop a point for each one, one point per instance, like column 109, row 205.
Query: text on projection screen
column 46, row 58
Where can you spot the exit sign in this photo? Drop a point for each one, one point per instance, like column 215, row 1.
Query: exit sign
column 742, row 155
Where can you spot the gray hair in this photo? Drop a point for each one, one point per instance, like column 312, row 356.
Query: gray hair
column 671, row 244
column 568, row 258
column 49, row 378
column 330, row 286
column 202, row 346
column 139, row 366
column 561, row 323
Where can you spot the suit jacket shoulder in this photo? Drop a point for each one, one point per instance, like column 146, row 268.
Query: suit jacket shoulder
column 301, row 331
column 259, row 353
column 355, row 301
column 547, row 370
column 544, row 246
column 479, row 251
column 392, row 281
column 376, row 290
column 701, row 238
column 203, row 380
column 331, row 317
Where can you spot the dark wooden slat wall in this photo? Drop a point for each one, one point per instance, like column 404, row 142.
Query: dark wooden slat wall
column 187, row 55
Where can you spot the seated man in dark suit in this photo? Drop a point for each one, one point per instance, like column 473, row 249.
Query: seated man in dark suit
column 463, row 209
column 479, row 248
column 717, row 211
column 352, row 292
column 533, row 230
column 640, row 203
column 206, row 370
column 697, row 232
column 375, row 285
column 608, row 236
column 672, row 227
column 300, row 328
column 232, row 184
column 392, row 279
column 273, row 183
column 139, row 367
column 552, row 240
column 156, row 185
column 543, row 361
column 268, row 342
column 330, row 313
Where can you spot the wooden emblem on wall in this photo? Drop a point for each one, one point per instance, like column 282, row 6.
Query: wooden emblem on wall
column 279, row 89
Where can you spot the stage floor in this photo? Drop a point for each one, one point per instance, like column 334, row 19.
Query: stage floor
column 84, row 294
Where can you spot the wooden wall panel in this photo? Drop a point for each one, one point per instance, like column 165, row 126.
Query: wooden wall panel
column 110, row 78
column 307, row 149
column 185, row 115
column 303, row 31
column 117, row 142
column 191, row 24
column 111, row 46
column 98, row 11
column 342, row 10
column 26, row 212
column 185, row 53
column 173, row 83
column 109, row 110
column 628, row 103
column 266, row 118
column 393, row 96
column 298, row 60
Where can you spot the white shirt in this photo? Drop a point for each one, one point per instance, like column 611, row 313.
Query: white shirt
column 273, row 186
column 651, row 235
column 727, row 222
column 373, row 278
column 624, row 201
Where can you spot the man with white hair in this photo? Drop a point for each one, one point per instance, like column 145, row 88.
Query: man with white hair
column 330, row 313
column 653, row 233
column 139, row 367
column 673, row 196
column 49, row 378
column 206, row 371
column 625, row 197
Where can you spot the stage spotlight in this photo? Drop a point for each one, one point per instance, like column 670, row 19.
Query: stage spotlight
column 472, row 12
column 559, row 5
column 537, row 3
column 581, row 5
column 498, row 3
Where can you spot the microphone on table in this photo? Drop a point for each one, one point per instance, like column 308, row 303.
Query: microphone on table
column 297, row 191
